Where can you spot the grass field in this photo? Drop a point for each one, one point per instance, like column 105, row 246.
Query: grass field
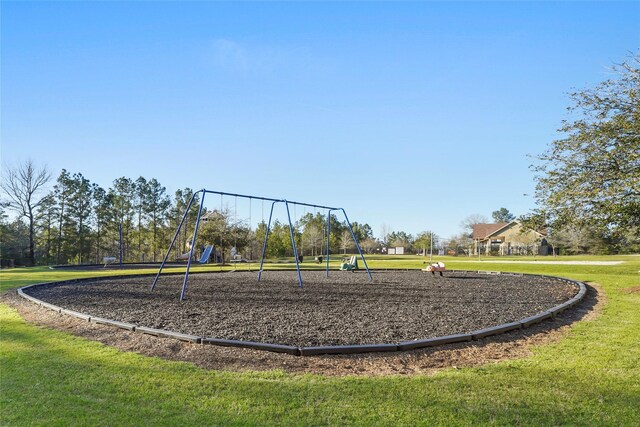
column 591, row 377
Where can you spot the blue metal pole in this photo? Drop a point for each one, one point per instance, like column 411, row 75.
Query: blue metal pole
column 266, row 238
column 193, row 246
column 293, row 243
column 328, row 238
column 269, row 199
column 357, row 245
column 175, row 236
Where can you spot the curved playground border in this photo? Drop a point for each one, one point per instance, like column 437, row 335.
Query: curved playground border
column 311, row 351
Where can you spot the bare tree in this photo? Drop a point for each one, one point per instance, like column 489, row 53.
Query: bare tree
column 370, row 245
column 22, row 184
column 346, row 240
column 473, row 219
column 385, row 231
column 313, row 236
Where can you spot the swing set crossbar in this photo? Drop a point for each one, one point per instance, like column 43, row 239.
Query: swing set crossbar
column 266, row 237
column 268, row 199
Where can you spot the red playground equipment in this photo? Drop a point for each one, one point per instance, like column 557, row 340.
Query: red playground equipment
column 436, row 266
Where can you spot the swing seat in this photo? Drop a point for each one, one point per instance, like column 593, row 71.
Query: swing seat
column 183, row 257
column 351, row 265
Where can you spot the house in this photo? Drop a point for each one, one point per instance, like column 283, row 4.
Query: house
column 508, row 238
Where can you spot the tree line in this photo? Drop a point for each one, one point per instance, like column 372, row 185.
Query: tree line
column 79, row 222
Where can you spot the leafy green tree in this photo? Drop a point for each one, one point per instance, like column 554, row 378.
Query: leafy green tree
column 460, row 244
column 122, row 195
column 102, row 218
column 279, row 244
column 141, row 190
column 223, row 230
column 61, row 194
column 45, row 220
column 157, row 204
column 502, row 215
column 424, row 242
column 361, row 231
column 400, row 238
column 77, row 217
column 310, row 223
column 336, row 232
column 591, row 176
column 259, row 234
column 628, row 240
column 176, row 212
column 573, row 240
column 15, row 241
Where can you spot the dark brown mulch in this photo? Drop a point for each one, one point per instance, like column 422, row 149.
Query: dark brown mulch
column 344, row 309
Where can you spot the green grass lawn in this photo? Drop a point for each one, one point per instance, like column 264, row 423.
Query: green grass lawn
column 591, row 377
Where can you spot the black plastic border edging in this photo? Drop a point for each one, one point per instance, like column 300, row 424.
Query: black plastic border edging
column 311, row 351
column 278, row 348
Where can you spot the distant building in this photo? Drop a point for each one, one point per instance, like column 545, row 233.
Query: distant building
column 398, row 250
column 213, row 215
column 508, row 238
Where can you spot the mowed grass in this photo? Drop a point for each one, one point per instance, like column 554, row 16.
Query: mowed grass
column 591, row 377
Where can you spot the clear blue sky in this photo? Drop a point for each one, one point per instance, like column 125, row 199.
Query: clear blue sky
column 413, row 115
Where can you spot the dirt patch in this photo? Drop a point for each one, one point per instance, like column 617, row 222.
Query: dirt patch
column 344, row 309
column 632, row 290
column 512, row 345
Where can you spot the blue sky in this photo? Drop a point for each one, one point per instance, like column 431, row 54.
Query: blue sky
column 413, row 115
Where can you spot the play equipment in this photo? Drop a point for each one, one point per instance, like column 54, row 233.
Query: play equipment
column 236, row 256
column 108, row 260
column 204, row 192
column 435, row 267
column 187, row 255
column 350, row 265
column 183, row 257
column 206, row 254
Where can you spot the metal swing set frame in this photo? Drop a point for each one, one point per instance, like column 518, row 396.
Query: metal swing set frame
column 266, row 237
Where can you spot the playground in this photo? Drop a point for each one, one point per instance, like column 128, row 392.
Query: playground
column 398, row 319
column 344, row 309
column 594, row 342
column 335, row 313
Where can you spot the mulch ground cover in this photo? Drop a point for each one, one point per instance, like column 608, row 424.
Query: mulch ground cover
column 343, row 309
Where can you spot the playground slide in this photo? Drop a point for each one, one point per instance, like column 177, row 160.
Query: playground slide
column 206, row 254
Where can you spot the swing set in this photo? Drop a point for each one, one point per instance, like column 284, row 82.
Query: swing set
column 266, row 236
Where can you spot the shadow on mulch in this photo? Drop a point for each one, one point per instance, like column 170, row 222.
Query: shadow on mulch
column 511, row 345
